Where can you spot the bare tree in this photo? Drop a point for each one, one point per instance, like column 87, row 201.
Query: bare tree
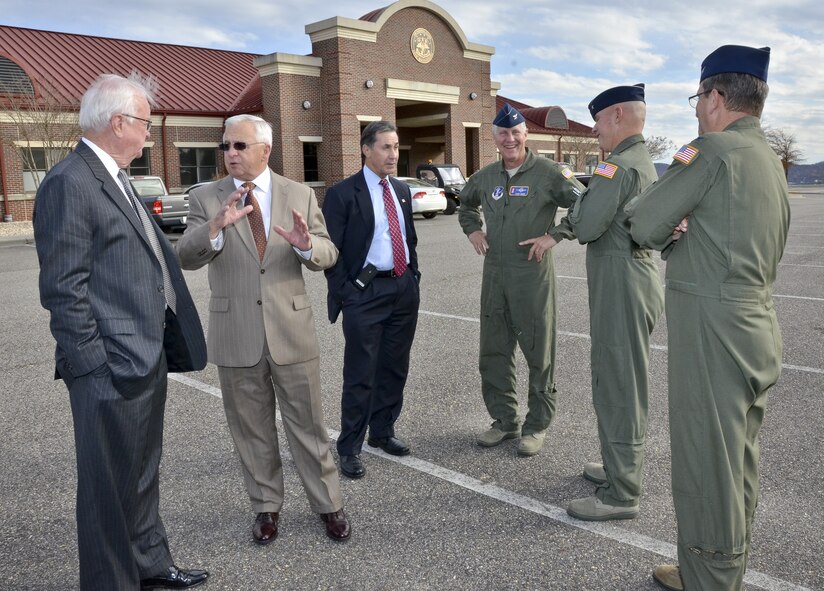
column 658, row 146
column 580, row 147
column 45, row 126
column 784, row 144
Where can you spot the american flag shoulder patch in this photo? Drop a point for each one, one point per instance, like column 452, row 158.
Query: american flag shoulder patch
column 686, row 154
column 605, row 169
column 568, row 174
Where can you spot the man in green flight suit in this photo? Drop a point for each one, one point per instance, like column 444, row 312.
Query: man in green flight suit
column 625, row 302
column 519, row 195
column 726, row 196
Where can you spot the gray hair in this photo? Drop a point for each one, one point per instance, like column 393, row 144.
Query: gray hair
column 263, row 129
column 742, row 92
column 371, row 131
column 111, row 94
column 495, row 128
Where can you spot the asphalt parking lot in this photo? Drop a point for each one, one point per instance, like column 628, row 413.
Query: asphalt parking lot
column 452, row 515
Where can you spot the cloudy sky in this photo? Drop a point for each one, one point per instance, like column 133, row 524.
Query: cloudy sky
column 547, row 52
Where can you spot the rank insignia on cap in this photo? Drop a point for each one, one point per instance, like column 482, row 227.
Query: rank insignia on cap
column 605, row 169
column 686, row 154
column 568, row 174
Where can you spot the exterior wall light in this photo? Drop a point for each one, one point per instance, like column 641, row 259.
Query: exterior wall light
column 473, row 96
column 306, row 104
column 369, row 84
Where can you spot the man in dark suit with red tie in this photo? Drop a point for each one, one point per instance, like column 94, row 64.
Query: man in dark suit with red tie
column 375, row 284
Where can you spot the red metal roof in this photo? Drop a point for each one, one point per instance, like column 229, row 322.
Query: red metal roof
column 192, row 80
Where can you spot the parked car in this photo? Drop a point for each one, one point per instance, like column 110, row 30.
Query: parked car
column 583, row 178
column 169, row 211
column 426, row 199
column 446, row 176
column 198, row 185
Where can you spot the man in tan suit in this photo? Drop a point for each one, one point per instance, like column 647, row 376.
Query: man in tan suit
column 261, row 330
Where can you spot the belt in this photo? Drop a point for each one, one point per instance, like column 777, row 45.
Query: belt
column 384, row 274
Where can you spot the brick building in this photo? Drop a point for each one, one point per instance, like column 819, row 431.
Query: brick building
column 409, row 62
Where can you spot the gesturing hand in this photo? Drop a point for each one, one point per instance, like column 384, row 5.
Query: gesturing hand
column 539, row 246
column 229, row 213
column 299, row 236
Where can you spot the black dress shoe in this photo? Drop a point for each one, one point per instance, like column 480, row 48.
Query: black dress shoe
column 265, row 529
column 337, row 526
column 175, row 578
column 391, row 445
column 352, row 467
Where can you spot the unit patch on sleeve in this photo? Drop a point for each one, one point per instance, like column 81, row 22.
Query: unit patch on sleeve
column 686, row 154
column 605, row 169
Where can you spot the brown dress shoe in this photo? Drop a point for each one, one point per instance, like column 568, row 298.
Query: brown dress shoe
column 266, row 528
column 337, row 526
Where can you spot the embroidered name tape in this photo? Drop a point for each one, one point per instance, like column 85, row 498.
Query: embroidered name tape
column 519, row 191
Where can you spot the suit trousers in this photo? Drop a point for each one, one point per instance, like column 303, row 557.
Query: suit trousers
column 119, row 441
column 379, row 326
column 250, row 396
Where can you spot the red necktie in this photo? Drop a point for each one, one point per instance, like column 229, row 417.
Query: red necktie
column 255, row 220
column 398, row 252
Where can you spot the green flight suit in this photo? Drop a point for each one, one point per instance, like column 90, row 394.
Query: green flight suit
column 724, row 342
column 625, row 301
column 517, row 296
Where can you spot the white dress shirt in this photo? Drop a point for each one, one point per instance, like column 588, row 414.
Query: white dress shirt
column 380, row 251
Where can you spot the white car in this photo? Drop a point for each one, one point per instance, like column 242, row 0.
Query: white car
column 426, row 199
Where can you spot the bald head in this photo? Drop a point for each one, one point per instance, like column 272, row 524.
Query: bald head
column 617, row 122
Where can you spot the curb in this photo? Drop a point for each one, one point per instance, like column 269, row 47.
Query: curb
column 16, row 240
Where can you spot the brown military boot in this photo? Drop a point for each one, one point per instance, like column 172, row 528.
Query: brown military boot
column 668, row 576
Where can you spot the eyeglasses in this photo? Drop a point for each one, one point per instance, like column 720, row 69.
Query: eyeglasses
column 693, row 100
column 146, row 121
column 239, row 146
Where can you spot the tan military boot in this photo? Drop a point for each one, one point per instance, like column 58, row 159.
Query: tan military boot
column 594, row 472
column 494, row 436
column 531, row 444
column 668, row 576
column 592, row 509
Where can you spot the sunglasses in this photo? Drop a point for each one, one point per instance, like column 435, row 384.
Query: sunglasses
column 239, row 146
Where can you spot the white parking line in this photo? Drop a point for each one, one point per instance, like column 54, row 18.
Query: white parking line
column 493, row 491
column 579, row 335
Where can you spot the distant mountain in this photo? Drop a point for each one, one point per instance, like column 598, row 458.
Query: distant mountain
column 800, row 174
column 661, row 168
column 807, row 174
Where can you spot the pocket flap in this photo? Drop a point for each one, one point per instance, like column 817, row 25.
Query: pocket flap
column 110, row 326
column 300, row 301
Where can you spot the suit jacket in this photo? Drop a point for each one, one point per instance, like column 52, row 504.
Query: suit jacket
column 347, row 207
column 253, row 300
column 101, row 281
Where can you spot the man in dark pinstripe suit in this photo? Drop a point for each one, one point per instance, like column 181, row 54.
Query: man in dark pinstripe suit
column 122, row 317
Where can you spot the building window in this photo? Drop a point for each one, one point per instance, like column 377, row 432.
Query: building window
column 592, row 162
column 141, row 166
column 196, row 165
column 13, row 79
column 571, row 160
column 36, row 163
column 310, row 163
